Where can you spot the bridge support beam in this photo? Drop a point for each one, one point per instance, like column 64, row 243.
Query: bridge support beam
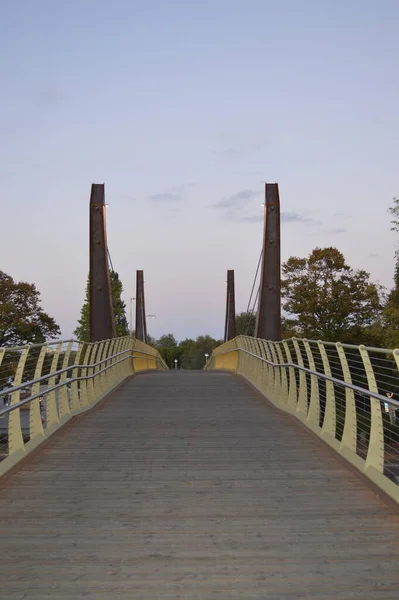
column 102, row 323
column 230, row 323
column 268, row 322
column 141, row 322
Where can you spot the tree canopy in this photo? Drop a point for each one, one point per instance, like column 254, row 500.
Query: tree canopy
column 246, row 323
column 325, row 298
column 190, row 354
column 82, row 331
column 22, row 319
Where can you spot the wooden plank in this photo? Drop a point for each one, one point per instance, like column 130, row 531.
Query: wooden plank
column 189, row 485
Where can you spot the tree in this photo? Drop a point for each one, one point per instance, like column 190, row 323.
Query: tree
column 168, row 349
column 190, row 354
column 82, row 331
column 193, row 352
column 22, row 319
column 119, row 306
column 150, row 340
column 246, row 323
column 326, row 299
column 394, row 210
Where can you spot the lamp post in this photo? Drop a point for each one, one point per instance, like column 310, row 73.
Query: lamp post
column 206, row 357
column 175, row 363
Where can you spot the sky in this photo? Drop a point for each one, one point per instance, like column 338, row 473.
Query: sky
column 184, row 110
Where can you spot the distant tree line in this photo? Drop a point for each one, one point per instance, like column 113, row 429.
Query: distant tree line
column 322, row 298
column 189, row 353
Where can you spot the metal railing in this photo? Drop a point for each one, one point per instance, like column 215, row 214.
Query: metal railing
column 348, row 395
column 43, row 386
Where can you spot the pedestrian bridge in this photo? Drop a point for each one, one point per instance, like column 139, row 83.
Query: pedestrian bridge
column 270, row 474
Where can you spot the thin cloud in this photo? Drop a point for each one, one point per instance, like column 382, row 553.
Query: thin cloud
column 165, row 197
column 229, row 153
column 337, row 231
column 286, row 217
column 182, row 187
column 172, row 194
column 237, row 200
column 342, row 215
column 254, row 219
column 296, row 217
column 375, row 255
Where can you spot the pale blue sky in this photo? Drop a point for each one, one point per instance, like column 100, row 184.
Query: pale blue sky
column 182, row 106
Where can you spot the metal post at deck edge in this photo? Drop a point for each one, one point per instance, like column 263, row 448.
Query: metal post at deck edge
column 230, row 322
column 268, row 322
column 102, row 323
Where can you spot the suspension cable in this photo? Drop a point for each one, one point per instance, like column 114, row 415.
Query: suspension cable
column 250, row 310
column 110, row 260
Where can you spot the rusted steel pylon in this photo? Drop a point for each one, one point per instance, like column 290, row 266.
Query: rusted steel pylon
column 268, row 321
column 230, row 323
column 141, row 322
column 102, row 322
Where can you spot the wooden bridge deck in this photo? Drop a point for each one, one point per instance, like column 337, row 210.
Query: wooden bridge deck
column 190, row 485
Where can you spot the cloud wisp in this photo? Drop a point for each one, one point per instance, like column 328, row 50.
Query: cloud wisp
column 297, row 217
column 237, row 208
column 337, row 231
column 165, row 197
column 238, row 200
column 171, row 195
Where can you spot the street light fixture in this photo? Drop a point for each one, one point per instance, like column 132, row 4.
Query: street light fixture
column 206, row 357
column 175, row 363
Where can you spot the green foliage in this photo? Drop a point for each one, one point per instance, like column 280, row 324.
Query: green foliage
column 394, row 210
column 82, row 331
column 246, row 323
column 119, row 306
column 326, row 299
column 22, row 319
column 189, row 353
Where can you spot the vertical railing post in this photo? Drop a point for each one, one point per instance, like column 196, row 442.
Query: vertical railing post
column 313, row 417
column 90, row 371
column 270, row 371
column 348, row 441
column 52, row 418
column 85, row 384
column 36, row 430
column 276, row 374
column 283, row 373
column 77, row 400
column 108, row 364
column 302, row 405
column 103, row 375
column 15, row 437
column 293, row 391
column 375, row 453
column 328, row 430
column 119, row 366
column 64, row 408
column 95, row 370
